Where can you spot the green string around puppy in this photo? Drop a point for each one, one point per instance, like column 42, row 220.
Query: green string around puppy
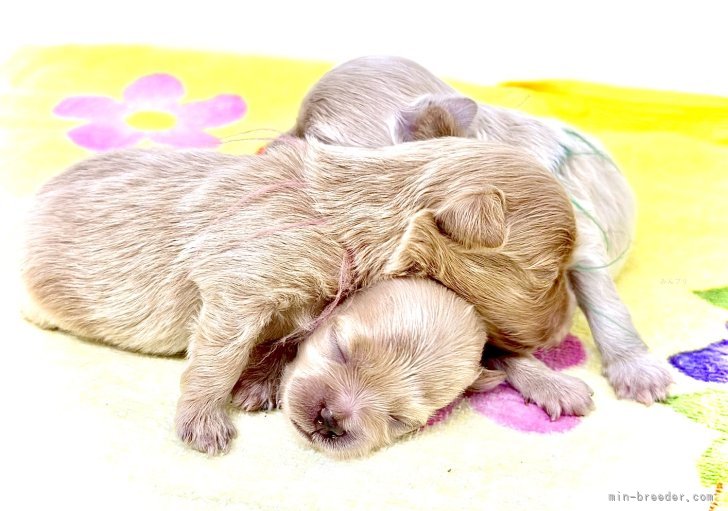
column 568, row 154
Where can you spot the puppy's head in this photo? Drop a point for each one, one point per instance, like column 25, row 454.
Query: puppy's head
column 377, row 369
column 516, row 280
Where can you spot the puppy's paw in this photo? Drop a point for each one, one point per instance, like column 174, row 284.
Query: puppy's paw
column 559, row 394
column 254, row 396
column 642, row 378
column 206, row 429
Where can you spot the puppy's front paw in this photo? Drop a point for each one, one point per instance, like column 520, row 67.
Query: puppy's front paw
column 253, row 396
column 207, row 429
column 642, row 377
column 560, row 394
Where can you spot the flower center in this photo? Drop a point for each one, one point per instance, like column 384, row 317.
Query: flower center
column 151, row 120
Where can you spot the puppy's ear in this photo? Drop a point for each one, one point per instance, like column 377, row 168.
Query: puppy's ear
column 487, row 379
column 434, row 117
column 475, row 219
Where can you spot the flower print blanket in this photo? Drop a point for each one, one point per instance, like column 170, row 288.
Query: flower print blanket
column 91, row 426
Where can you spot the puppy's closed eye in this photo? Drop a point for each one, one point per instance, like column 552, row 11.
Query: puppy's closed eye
column 337, row 353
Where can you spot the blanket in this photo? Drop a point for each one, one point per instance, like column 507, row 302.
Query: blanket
column 90, row 426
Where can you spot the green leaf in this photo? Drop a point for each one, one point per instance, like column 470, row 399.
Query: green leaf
column 709, row 408
column 713, row 464
column 717, row 296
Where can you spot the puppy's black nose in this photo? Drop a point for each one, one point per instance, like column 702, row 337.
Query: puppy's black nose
column 328, row 424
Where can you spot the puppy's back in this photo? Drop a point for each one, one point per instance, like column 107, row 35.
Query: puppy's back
column 106, row 239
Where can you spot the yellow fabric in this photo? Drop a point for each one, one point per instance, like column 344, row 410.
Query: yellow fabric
column 92, row 426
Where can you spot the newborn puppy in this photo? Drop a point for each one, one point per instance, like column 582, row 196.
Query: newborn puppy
column 165, row 251
column 382, row 364
column 376, row 101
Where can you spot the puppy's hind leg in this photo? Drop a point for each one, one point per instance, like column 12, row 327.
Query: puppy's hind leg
column 632, row 371
column 557, row 393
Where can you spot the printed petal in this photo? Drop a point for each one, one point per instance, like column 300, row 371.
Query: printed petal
column 96, row 108
column 218, row 111
column 717, row 296
column 706, row 364
column 506, row 406
column 567, row 354
column 103, row 137
column 154, row 91
column 709, row 408
column 184, row 138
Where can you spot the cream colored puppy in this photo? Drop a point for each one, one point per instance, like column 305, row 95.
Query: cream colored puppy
column 215, row 254
column 376, row 101
column 382, row 364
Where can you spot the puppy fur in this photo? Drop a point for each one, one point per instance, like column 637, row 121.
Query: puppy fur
column 376, row 101
column 382, row 364
column 165, row 251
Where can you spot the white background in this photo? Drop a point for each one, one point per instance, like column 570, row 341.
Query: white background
column 668, row 45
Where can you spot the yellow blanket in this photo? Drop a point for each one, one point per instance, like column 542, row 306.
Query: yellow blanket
column 90, row 426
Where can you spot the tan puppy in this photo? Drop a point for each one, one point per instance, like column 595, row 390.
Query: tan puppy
column 166, row 251
column 376, row 101
column 382, row 364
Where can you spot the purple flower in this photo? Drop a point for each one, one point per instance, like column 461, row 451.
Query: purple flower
column 151, row 109
column 706, row 364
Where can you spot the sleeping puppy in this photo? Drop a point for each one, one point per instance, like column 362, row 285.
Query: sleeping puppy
column 163, row 252
column 376, row 101
column 378, row 368
column 382, row 364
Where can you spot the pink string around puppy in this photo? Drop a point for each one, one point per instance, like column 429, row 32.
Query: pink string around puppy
column 249, row 198
column 346, row 282
column 346, row 272
column 260, row 192
column 346, row 279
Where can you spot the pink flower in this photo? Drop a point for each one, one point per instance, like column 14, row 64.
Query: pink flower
column 151, row 109
column 506, row 406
